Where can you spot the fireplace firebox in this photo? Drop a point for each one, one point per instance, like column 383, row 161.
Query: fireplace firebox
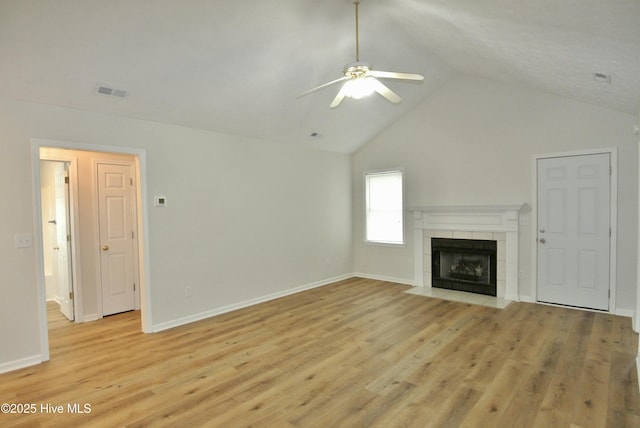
column 464, row 264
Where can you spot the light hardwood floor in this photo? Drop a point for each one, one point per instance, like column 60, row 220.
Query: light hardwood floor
column 357, row 353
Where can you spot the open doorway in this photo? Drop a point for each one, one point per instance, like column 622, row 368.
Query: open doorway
column 77, row 166
column 56, row 237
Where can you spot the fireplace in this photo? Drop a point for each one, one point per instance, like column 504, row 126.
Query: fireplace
column 477, row 222
column 465, row 265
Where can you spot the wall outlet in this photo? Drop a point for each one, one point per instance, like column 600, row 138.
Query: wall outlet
column 187, row 292
column 521, row 274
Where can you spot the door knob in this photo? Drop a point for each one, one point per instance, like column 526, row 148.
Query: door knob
column 105, row 248
column 542, row 230
column 542, row 240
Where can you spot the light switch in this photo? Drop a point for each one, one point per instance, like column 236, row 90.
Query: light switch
column 23, row 240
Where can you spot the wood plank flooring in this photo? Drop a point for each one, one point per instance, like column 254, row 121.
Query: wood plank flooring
column 358, row 353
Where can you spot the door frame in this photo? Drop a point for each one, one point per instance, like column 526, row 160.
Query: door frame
column 142, row 220
column 636, row 314
column 74, row 227
column 613, row 218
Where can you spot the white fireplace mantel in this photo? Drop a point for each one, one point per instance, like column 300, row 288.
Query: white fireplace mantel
column 469, row 218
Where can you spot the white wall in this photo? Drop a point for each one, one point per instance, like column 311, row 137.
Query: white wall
column 245, row 218
column 472, row 142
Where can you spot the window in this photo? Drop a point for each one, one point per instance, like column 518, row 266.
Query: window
column 384, row 211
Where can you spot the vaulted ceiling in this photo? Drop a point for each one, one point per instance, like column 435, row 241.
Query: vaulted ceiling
column 237, row 66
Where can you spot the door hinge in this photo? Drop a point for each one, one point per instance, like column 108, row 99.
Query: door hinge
column 132, row 237
column 68, row 238
column 134, row 286
column 131, row 181
column 70, row 295
column 66, row 180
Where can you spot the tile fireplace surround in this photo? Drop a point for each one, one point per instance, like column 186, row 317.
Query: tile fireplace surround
column 492, row 222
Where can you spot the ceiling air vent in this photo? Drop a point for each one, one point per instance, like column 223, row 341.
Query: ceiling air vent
column 602, row 77
column 111, row 92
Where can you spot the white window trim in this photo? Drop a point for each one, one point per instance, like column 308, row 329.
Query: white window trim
column 364, row 208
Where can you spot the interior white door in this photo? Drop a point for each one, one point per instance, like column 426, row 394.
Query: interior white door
column 63, row 240
column 574, row 230
column 116, row 218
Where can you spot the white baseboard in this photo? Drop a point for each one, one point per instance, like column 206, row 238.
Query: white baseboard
column 224, row 309
column 90, row 317
column 385, row 278
column 624, row 312
column 512, row 298
column 20, row 364
column 638, row 370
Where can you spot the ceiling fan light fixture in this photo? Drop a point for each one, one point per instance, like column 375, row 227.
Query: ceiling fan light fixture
column 359, row 88
column 360, row 80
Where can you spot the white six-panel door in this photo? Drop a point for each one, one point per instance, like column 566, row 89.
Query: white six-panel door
column 117, row 224
column 574, row 230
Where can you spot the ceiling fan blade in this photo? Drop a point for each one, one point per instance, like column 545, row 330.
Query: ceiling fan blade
column 394, row 75
column 338, row 99
column 385, row 92
column 317, row 88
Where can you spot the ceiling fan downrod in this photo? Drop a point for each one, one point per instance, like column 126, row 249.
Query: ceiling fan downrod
column 359, row 80
column 357, row 2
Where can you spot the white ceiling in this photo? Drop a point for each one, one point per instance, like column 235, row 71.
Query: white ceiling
column 237, row 66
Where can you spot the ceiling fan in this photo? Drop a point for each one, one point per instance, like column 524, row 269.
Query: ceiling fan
column 361, row 81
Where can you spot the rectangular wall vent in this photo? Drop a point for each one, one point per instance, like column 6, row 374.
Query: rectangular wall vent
column 112, row 92
column 602, row 77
